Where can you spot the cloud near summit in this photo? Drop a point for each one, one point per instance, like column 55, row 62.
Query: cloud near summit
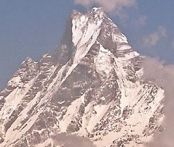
column 162, row 74
column 154, row 38
column 108, row 5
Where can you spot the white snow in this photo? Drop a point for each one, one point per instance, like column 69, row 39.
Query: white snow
column 72, row 111
column 86, row 41
column 100, row 111
column 119, row 38
column 77, row 25
column 15, row 81
column 103, row 62
column 13, row 133
column 13, row 99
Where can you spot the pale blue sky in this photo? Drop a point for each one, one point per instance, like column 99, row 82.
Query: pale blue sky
column 34, row 27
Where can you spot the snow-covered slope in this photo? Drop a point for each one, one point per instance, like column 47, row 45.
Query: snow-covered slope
column 91, row 87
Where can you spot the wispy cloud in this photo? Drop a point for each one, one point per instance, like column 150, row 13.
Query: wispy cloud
column 153, row 38
column 141, row 21
column 162, row 74
column 71, row 141
column 108, row 5
column 66, row 140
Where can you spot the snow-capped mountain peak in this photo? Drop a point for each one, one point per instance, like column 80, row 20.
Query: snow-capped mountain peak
column 92, row 88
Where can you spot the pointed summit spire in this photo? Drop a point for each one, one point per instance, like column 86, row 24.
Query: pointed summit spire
column 97, row 9
column 97, row 12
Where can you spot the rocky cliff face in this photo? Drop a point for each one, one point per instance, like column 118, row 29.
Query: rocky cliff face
column 91, row 87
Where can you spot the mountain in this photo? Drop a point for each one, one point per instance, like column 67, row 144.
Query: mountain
column 92, row 87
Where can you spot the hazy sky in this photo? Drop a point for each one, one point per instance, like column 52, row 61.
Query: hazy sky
column 34, row 27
